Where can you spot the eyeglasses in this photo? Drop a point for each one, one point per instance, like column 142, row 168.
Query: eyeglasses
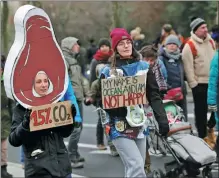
column 127, row 43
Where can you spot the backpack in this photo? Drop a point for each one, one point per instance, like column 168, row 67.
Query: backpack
column 194, row 50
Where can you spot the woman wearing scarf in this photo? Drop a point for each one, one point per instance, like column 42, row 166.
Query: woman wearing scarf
column 172, row 60
column 130, row 141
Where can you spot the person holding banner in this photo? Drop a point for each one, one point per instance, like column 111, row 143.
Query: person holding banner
column 45, row 153
column 127, row 121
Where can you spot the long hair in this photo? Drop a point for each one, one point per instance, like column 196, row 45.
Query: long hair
column 116, row 56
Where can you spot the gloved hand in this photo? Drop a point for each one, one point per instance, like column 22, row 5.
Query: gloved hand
column 74, row 111
column 26, row 120
column 88, row 101
column 212, row 108
column 164, row 129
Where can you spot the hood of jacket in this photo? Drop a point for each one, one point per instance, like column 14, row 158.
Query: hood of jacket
column 67, row 44
column 199, row 40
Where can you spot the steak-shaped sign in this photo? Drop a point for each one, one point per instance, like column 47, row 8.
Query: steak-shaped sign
column 34, row 51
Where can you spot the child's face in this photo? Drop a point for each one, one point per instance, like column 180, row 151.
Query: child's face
column 104, row 48
column 172, row 47
column 150, row 60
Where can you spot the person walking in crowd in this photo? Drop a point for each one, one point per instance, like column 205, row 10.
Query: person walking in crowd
column 197, row 55
column 101, row 57
column 137, row 38
column 45, row 148
column 149, row 54
column 130, row 141
column 91, row 50
column 172, row 60
column 70, row 49
column 6, row 118
column 166, row 30
column 213, row 87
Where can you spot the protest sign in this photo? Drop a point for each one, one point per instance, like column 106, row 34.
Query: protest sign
column 50, row 115
column 123, row 91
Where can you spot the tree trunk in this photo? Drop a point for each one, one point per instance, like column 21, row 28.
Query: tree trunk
column 217, row 18
column 115, row 16
column 5, row 13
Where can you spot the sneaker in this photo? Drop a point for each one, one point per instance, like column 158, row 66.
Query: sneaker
column 4, row 172
column 208, row 141
column 113, row 151
column 81, row 159
column 101, row 147
column 147, row 169
column 22, row 166
column 76, row 164
column 149, row 175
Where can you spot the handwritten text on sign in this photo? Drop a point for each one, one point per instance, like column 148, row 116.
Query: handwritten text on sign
column 51, row 115
column 123, row 91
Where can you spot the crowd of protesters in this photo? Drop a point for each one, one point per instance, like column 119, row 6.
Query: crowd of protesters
column 170, row 62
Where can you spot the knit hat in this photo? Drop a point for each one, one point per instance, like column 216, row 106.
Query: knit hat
column 104, row 41
column 172, row 39
column 118, row 34
column 195, row 23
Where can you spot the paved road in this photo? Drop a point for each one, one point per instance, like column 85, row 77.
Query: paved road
column 100, row 163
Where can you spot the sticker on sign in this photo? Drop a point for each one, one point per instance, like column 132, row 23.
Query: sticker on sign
column 50, row 115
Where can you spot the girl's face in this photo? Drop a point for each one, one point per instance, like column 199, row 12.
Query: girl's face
column 172, row 47
column 124, row 48
column 105, row 48
column 41, row 84
column 150, row 60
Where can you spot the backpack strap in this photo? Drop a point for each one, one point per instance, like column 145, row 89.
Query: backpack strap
column 193, row 49
column 212, row 44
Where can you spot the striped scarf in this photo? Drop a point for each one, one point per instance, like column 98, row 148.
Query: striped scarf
column 159, row 77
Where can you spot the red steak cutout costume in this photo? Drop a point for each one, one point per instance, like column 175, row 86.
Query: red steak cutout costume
column 35, row 49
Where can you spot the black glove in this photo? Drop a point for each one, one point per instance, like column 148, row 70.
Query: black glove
column 74, row 111
column 164, row 129
column 26, row 120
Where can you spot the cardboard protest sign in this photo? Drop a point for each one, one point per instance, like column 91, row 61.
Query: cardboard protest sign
column 50, row 115
column 34, row 51
column 123, row 91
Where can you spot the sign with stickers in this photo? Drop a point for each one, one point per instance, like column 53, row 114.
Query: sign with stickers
column 123, row 91
column 35, row 71
column 51, row 115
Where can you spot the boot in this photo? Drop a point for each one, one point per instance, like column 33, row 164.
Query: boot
column 212, row 137
column 101, row 147
column 4, row 173
column 208, row 141
column 147, row 166
column 113, row 151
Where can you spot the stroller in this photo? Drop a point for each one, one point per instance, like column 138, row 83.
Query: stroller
column 190, row 153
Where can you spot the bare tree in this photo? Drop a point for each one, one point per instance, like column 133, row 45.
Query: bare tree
column 5, row 13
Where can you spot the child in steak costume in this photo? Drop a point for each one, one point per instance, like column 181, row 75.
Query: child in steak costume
column 20, row 135
column 34, row 83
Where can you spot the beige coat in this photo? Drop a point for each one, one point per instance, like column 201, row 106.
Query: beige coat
column 197, row 70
